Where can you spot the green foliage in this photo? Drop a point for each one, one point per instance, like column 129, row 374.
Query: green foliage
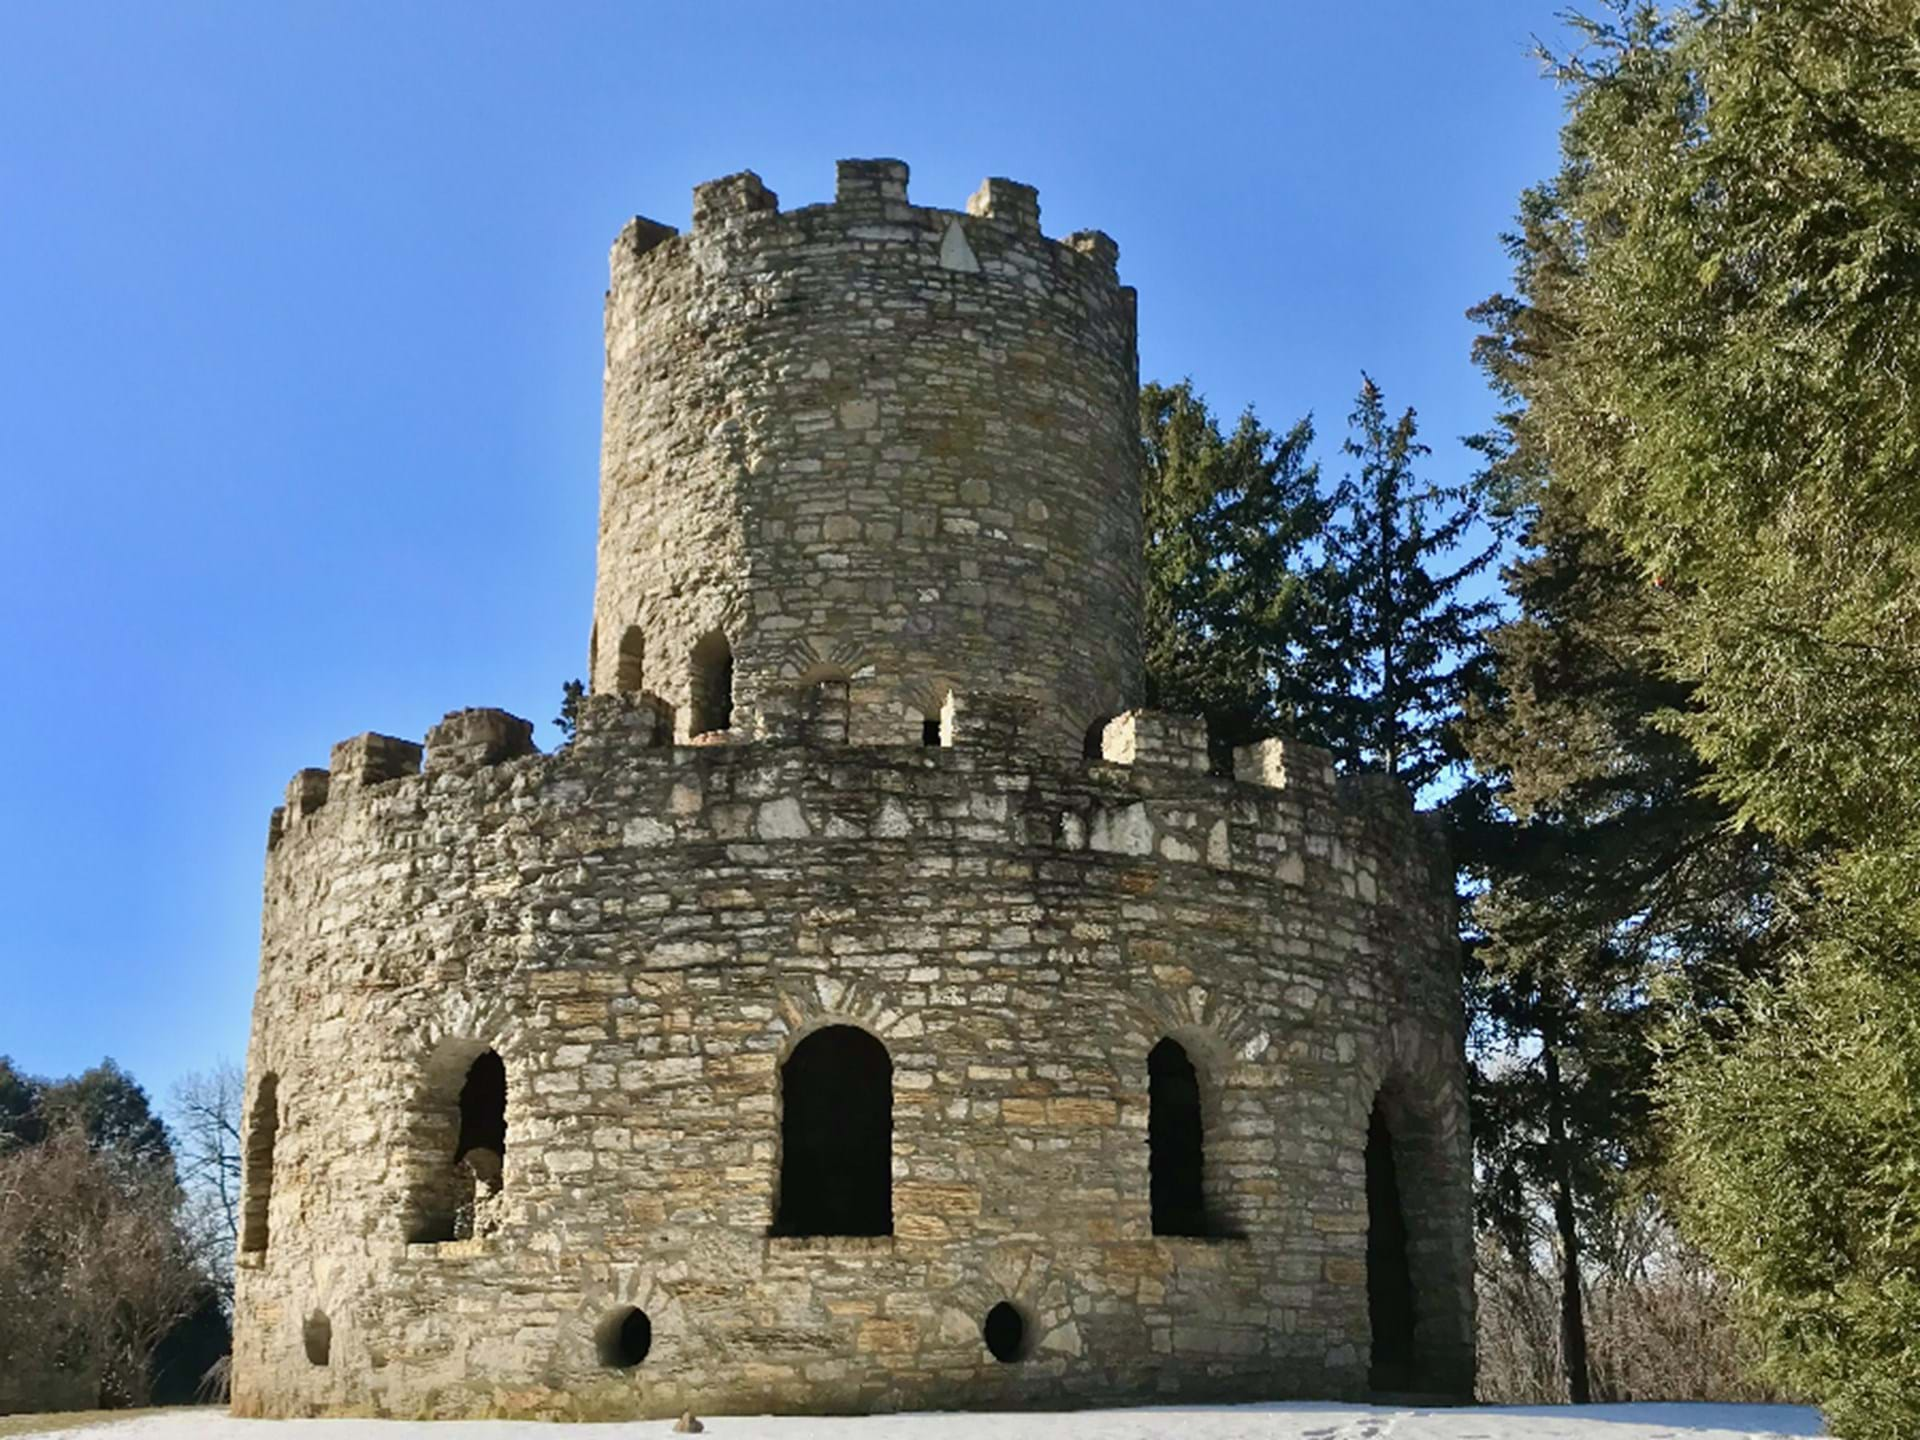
column 1234, row 597
column 572, row 694
column 21, row 1122
column 111, row 1109
column 1399, row 556
column 1275, row 606
column 1797, row 1138
column 1713, row 353
column 105, row 1104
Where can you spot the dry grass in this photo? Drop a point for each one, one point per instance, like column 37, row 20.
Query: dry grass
column 55, row 1421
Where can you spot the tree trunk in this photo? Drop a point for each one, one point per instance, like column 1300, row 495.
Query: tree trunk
column 1573, row 1320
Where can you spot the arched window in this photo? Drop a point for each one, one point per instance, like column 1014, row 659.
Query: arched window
column 836, row 1136
column 711, row 687
column 1093, row 742
column 263, row 1128
column 1390, row 1297
column 630, row 669
column 936, row 723
column 1175, row 1145
column 460, row 1143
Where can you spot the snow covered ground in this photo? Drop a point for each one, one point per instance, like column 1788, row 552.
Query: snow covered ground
column 1225, row 1422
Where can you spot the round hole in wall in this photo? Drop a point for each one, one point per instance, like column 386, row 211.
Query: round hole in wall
column 317, row 1335
column 624, row 1337
column 1005, row 1331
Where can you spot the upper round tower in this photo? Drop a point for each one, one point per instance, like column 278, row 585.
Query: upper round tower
column 871, row 442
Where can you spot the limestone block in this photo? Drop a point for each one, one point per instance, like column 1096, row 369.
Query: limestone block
column 731, row 197
column 1007, row 200
column 1285, row 765
column 306, row 792
column 468, row 738
column 1156, row 738
column 870, row 183
column 371, row 759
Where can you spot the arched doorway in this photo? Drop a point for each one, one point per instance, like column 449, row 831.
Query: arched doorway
column 836, row 1136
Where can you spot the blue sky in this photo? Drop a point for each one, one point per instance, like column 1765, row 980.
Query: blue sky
column 300, row 356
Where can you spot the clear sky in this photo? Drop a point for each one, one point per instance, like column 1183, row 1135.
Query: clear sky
column 300, row 356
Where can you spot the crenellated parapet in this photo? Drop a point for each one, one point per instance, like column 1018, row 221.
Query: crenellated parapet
column 1148, row 797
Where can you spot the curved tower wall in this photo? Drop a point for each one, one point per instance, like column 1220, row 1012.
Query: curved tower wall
column 873, row 442
column 645, row 935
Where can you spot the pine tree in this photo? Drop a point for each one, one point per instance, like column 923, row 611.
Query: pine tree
column 1234, row 591
column 1405, row 637
column 1727, row 401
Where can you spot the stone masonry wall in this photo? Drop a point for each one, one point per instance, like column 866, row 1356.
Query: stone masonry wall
column 643, row 932
column 875, row 442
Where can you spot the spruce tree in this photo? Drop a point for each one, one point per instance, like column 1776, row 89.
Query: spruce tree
column 1399, row 626
column 1234, row 592
column 1729, row 405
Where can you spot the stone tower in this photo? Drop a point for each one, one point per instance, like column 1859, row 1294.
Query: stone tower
column 869, row 1008
column 870, row 443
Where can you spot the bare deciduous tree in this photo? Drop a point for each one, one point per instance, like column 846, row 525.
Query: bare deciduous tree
column 94, row 1270
column 207, row 1106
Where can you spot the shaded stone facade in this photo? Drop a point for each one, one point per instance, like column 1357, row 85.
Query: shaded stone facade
column 824, row 1028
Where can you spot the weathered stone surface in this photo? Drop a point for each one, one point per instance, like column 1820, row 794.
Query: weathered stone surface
column 896, row 832
column 874, row 442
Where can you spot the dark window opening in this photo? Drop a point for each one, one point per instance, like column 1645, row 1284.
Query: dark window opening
column 1175, row 1153
column 1093, row 743
column 483, row 1108
column 630, row 667
column 712, row 685
column 1390, row 1305
column 258, row 1189
column 836, row 1136
column 1005, row 1332
column 317, row 1336
column 623, row 1338
column 930, row 731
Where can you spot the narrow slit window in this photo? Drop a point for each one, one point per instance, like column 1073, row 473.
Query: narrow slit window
column 263, row 1130
column 631, row 664
column 711, row 688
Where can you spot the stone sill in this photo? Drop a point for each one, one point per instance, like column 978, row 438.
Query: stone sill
column 450, row 1249
column 1201, row 1244
column 250, row 1260
column 831, row 1244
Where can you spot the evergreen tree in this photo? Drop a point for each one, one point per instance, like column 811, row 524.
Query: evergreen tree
column 111, row 1109
column 1726, row 400
column 21, row 1122
column 573, row 694
column 1234, row 592
column 1400, row 553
